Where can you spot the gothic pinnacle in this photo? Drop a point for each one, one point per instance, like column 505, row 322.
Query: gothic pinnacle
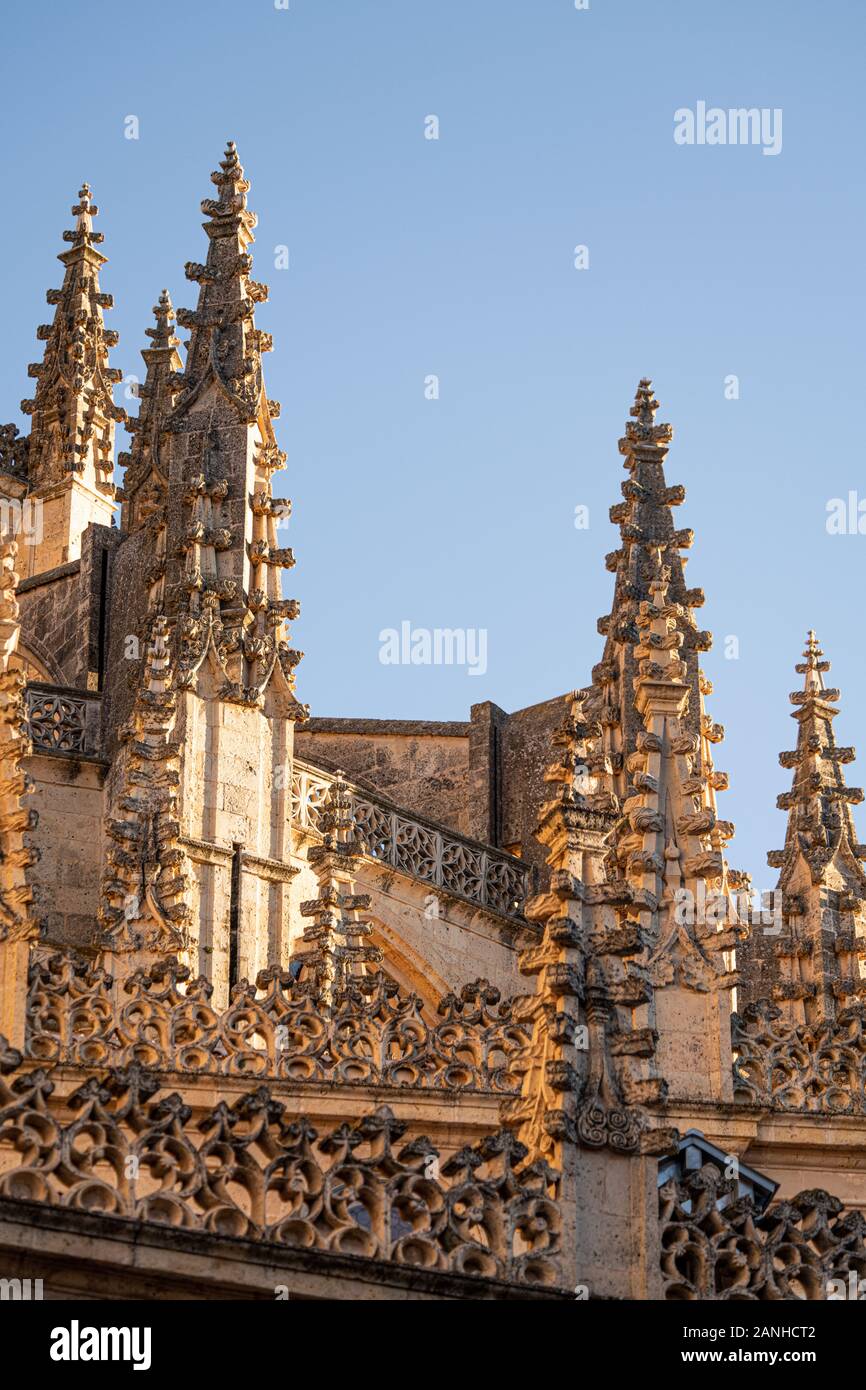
column 145, row 880
column 821, row 880
column 73, row 410
column 162, row 335
column 819, row 821
column 338, row 949
column 146, row 479
column 17, row 921
column 648, row 557
column 225, row 346
column 652, row 753
column 224, row 457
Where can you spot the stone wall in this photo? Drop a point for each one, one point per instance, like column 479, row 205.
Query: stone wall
column 68, row 797
column 234, row 808
column 129, row 600
column 423, row 766
column 757, row 966
column 64, row 613
column 484, row 778
column 49, row 609
column 526, row 752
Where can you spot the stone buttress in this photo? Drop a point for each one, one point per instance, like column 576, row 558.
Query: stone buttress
column 200, row 562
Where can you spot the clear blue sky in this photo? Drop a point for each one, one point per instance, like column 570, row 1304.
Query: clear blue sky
column 410, row 256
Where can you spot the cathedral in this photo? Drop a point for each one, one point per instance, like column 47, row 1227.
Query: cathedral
column 325, row 1008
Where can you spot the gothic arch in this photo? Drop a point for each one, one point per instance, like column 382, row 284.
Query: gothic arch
column 412, row 973
column 36, row 661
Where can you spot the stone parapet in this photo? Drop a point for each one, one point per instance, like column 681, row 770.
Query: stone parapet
column 422, row 849
column 253, row 1171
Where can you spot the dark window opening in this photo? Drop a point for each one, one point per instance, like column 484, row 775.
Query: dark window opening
column 235, row 916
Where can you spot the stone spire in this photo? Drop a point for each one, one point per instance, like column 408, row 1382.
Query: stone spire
column 223, row 576
column 145, row 482
column 653, row 756
column 648, row 536
column 336, row 936
column 73, row 413
column 821, row 879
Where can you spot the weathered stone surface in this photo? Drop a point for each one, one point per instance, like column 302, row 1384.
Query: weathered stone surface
column 357, row 1190
column 718, row 1247
column 422, row 766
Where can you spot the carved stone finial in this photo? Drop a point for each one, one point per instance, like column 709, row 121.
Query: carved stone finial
column 645, row 403
column 162, row 336
column 813, row 667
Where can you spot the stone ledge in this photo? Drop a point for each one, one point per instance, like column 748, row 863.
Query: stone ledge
column 83, row 1252
column 406, row 727
column 49, row 576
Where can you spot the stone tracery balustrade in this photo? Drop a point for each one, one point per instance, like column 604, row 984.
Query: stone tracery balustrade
column 468, row 869
column 251, row 1171
column 62, row 721
column 375, row 1036
column 819, row 1068
column 716, row 1247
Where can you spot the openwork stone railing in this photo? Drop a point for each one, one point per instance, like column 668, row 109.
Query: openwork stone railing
column 63, row 721
column 486, row 877
column 374, row 1036
column 715, row 1246
column 819, row 1068
column 252, row 1171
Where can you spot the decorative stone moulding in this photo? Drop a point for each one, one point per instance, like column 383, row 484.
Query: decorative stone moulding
column 469, row 870
column 254, row 1171
column 62, row 722
column 820, row 1068
column 373, row 1036
column 716, row 1246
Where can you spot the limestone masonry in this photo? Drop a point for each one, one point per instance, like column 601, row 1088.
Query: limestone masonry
column 303, row 1007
